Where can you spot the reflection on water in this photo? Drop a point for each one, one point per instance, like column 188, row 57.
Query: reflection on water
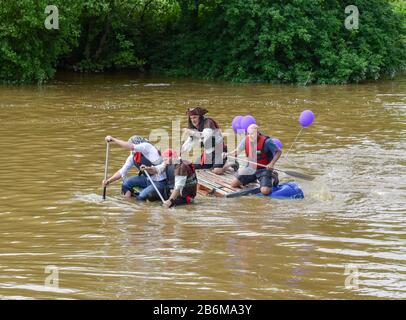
column 51, row 211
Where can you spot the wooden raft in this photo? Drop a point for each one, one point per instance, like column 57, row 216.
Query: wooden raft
column 219, row 185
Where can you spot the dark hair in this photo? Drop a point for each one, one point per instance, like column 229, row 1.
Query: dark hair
column 190, row 124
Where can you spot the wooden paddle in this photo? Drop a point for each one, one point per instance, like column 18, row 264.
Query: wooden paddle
column 105, row 169
column 153, row 184
column 288, row 172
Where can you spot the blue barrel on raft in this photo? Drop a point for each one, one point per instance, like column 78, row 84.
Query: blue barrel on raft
column 287, row 190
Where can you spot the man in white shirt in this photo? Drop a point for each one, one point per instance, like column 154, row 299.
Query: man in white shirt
column 143, row 153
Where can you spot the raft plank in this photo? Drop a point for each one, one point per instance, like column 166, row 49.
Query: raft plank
column 216, row 180
column 206, row 191
column 219, row 185
column 214, row 177
column 213, row 187
column 204, row 175
column 225, row 180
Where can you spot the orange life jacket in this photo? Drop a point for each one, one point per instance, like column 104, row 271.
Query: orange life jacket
column 259, row 155
column 139, row 160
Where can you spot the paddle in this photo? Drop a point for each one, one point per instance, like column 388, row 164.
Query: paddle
column 153, row 184
column 288, row 172
column 105, row 169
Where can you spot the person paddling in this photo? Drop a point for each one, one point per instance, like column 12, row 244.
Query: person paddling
column 142, row 153
column 181, row 187
column 208, row 132
column 262, row 150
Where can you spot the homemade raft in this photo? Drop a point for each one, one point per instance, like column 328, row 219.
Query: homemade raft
column 219, row 186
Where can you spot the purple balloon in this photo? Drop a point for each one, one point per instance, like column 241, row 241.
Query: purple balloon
column 247, row 121
column 306, row 118
column 236, row 124
column 278, row 143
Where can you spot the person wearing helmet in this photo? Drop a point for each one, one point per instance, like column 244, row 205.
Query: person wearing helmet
column 143, row 153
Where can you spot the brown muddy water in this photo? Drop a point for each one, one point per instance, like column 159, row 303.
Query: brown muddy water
column 54, row 226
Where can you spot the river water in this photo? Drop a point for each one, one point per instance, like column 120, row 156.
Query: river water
column 345, row 240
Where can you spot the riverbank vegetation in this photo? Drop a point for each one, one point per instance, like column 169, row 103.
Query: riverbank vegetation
column 287, row 41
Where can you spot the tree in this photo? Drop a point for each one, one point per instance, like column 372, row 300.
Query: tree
column 28, row 51
column 288, row 41
column 300, row 41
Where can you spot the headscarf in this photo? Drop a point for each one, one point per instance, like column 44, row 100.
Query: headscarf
column 137, row 140
column 197, row 111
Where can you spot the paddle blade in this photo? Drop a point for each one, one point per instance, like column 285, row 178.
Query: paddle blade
column 299, row 175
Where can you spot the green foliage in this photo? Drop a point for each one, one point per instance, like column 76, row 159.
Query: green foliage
column 118, row 34
column 299, row 41
column 399, row 7
column 288, row 41
column 94, row 35
column 28, row 51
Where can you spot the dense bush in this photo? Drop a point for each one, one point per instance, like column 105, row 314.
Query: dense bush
column 300, row 41
column 289, row 41
column 93, row 35
column 28, row 51
column 118, row 34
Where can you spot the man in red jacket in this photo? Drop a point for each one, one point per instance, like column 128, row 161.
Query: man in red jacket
column 259, row 149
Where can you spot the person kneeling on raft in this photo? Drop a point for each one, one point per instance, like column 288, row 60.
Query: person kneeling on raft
column 181, row 187
column 142, row 153
column 207, row 131
column 261, row 150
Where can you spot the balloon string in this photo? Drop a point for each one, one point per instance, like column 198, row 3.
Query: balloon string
column 287, row 153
